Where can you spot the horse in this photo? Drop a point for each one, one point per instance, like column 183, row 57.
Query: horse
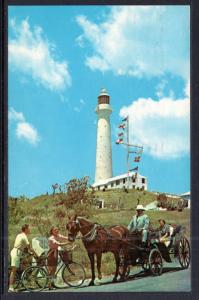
column 98, row 240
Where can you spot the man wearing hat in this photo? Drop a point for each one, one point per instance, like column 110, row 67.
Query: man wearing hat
column 140, row 222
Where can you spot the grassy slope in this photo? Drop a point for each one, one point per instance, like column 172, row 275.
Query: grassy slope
column 108, row 216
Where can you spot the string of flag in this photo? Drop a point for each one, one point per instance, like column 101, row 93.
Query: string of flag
column 136, row 150
column 122, row 126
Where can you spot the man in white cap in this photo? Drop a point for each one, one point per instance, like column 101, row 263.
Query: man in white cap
column 140, row 222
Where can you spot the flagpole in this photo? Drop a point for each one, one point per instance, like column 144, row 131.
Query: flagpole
column 128, row 167
column 128, row 148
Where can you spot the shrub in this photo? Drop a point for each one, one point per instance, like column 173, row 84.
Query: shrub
column 79, row 192
column 60, row 213
column 42, row 223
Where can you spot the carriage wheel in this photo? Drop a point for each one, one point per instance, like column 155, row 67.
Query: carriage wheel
column 184, row 253
column 155, row 262
column 121, row 266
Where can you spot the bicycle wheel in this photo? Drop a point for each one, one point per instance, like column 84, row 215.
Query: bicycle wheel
column 17, row 279
column 34, row 279
column 58, row 279
column 73, row 274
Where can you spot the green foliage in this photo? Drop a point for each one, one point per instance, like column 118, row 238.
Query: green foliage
column 45, row 211
column 42, row 221
column 171, row 203
column 79, row 194
column 16, row 209
column 162, row 200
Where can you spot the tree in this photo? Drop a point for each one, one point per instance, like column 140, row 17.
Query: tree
column 162, row 200
column 80, row 195
column 76, row 191
column 54, row 187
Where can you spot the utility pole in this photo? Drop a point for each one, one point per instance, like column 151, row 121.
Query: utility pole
column 127, row 139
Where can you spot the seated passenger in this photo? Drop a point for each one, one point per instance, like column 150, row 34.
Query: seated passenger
column 164, row 231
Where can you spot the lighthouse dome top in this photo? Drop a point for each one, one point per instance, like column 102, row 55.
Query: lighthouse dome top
column 103, row 92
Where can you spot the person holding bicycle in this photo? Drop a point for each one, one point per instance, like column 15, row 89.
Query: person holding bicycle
column 21, row 246
column 55, row 241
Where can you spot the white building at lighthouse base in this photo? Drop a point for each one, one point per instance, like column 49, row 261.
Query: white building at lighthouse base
column 129, row 181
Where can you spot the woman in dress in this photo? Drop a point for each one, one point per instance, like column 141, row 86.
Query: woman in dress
column 55, row 241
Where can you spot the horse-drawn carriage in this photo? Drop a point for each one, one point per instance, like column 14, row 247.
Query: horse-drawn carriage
column 151, row 257
column 127, row 249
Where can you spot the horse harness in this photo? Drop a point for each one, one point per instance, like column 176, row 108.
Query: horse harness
column 92, row 234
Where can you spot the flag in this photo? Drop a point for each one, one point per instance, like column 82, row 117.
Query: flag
column 137, row 159
column 120, row 133
column 133, row 152
column 135, row 169
column 125, row 119
column 139, row 152
column 122, row 126
column 119, row 141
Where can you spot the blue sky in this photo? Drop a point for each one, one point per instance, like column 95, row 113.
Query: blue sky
column 59, row 59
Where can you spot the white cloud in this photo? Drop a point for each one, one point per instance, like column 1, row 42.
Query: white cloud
column 15, row 116
column 32, row 54
column 162, row 127
column 76, row 109
column 97, row 63
column 82, row 101
column 160, row 88
column 139, row 41
column 187, row 89
column 26, row 131
column 79, row 108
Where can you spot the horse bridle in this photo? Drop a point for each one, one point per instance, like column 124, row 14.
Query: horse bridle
column 89, row 236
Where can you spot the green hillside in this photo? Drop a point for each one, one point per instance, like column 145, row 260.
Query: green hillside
column 44, row 211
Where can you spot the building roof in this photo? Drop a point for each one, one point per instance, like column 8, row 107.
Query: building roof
column 103, row 92
column 186, row 194
column 108, row 180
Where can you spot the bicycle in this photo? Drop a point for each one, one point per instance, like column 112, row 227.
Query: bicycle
column 68, row 273
column 21, row 276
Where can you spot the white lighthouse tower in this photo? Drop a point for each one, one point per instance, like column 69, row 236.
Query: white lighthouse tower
column 104, row 150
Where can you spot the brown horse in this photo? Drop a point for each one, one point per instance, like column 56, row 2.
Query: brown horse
column 98, row 240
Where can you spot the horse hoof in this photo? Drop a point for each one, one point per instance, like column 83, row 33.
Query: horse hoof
column 99, row 277
column 114, row 280
column 91, row 283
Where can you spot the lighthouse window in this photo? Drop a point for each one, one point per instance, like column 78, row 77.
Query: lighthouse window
column 102, row 100
column 133, row 179
column 117, row 182
column 143, row 180
column 124, row 180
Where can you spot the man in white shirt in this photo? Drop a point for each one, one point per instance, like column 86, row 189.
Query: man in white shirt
column 140, row 222
column 21, row 243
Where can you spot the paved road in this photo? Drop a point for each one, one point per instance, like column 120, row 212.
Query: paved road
column 172, row 279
